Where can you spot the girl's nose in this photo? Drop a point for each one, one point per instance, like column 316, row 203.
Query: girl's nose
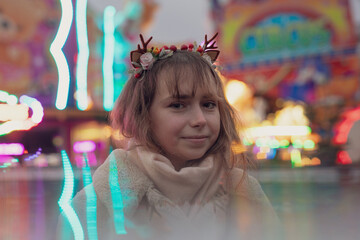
column 197, row 118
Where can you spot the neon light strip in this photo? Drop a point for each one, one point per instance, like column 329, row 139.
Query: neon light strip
column 11, row 126
column 108, row 73
column 83, row 56
column 90, row 201
column 279, row 131
column 35, row 105
column 66, row 196
column 18, row 112
column 59, row 56
column 116, row 196
column 8, row 98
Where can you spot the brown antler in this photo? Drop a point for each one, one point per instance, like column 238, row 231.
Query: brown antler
column 135, row 55
column 144, row 49
column 206, row 44
column 210, row 49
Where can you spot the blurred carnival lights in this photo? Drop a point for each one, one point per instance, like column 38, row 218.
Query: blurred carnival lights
column 8, row 161
column 16, row 117
column 85, row 147
column 286, row 131
column 59, row 56
column 278, row 131
column 235, row 91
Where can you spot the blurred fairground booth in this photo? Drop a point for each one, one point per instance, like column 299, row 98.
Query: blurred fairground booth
column 297, row 65
column 290, row 68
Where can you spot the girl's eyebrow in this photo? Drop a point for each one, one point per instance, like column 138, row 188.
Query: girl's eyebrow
column 187, row 96
column 175, row 97
column 182, row 96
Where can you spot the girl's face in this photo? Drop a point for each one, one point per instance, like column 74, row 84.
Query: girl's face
column 185, row 127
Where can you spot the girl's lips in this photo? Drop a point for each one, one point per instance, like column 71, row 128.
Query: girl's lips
column 196, row 139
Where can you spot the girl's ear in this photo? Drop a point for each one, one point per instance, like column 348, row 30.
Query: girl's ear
column 135, row 58
column 213, row 54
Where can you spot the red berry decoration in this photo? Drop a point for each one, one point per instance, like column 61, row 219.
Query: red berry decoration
column 191, row 46
column 200, row 49
column 166, row 47
column 173, row 48
column 137, row 75
column 184, row 47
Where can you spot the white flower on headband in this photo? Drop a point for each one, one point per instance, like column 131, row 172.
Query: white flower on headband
column 146, row 60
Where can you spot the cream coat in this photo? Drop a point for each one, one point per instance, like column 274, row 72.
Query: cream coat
column 244, row 213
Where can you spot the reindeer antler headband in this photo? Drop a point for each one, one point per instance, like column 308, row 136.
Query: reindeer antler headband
column 143, row 58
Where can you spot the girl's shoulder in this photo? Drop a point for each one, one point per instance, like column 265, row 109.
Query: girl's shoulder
column 246, row 186
column 250, row 204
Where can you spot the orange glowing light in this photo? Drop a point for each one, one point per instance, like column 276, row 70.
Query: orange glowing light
column 261, row 155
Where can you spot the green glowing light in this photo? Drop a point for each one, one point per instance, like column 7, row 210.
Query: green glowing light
column 309, row 144
column 274, row 143
column 297, row 144
column 246, row 142
column 261, row 142
column 284, row 143
column 295, row 158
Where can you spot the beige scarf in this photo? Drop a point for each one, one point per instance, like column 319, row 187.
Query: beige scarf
column 195, row 184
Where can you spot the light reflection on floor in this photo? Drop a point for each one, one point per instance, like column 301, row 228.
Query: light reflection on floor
column 327, row 210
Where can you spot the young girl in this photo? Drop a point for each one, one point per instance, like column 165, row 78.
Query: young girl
column 178, row 177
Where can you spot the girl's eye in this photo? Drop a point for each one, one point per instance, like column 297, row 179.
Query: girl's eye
column 210, row 105
column 177, row 105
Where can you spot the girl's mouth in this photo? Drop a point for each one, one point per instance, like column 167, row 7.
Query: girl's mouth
column 196, row 139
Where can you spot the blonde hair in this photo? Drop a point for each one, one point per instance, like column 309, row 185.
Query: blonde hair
column 131, row 112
